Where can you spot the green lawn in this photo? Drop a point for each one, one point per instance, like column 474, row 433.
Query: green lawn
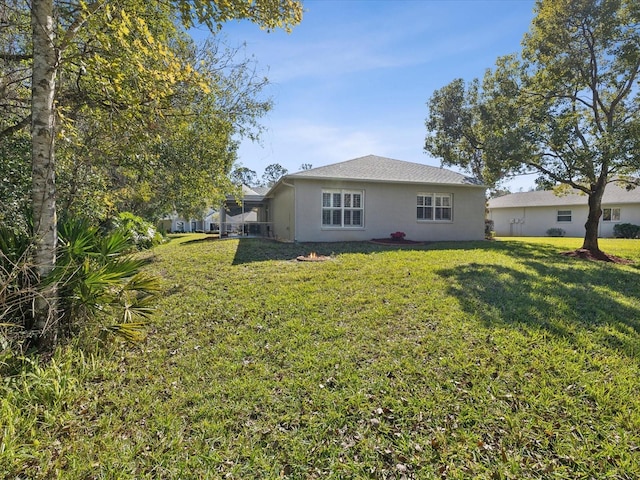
column 495, row 359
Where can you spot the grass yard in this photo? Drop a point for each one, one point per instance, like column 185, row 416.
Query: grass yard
column 492, row 360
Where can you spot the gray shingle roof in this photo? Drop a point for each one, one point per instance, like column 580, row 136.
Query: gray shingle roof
column 381, row 169
column 613, row 194
column 260, row 190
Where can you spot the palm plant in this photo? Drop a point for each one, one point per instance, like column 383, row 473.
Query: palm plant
column 99, row 278
column 101, row 282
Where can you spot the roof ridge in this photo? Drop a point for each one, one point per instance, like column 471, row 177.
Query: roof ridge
column 378, row 168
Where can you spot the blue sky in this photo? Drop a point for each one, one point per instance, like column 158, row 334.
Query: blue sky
column 354, row 77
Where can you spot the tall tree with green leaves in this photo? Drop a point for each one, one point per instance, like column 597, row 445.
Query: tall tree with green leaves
column 273, row 173
column 171, row 156
column 244, row 176
column 55, row 26
column 567, row 108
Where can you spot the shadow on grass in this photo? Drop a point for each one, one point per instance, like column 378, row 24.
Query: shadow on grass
column 554, row 297
column 259, row 250
column 562, row 296
column 197, row 239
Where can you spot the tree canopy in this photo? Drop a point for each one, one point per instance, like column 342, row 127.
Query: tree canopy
column 567, row 107
column 273, row 173
column 244, row 176
column 116, row 95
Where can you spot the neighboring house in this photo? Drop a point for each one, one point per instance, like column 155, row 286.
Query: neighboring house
column 371, row 197
column 531, row 214
column 233, row 217
column 177, row 224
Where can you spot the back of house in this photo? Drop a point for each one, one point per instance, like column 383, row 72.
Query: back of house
column 373, row 196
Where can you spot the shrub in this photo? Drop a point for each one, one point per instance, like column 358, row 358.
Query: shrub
column 100, row 286
column 626, row 230
column 489, row 227
column 398, row 235
column 100, row 283
column 556, row 232
column 18, row 287
column 143, row 234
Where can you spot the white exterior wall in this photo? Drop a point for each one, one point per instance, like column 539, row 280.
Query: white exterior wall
column 387, row 208
column 282, row 213
column 535, row 221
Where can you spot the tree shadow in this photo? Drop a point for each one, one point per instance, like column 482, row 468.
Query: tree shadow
column 260, row 249
column 555, row 297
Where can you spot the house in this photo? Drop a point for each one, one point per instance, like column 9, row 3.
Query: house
column 371, row 197
column 176, row 224
column 531, row 214
column 233, row 217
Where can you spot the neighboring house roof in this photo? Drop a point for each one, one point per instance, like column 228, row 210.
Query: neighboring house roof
column 250, row 194
column 252, row 191
column 261, row 191
column 613, row 194
column 373, row 168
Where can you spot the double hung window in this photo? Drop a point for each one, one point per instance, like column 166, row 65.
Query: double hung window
column 343, row 208
column 434, row 206
column 563, row 216
column 610, row 214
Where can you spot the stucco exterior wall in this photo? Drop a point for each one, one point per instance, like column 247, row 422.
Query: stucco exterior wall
column 282, row 213
column 387, row 208
column 535, row 221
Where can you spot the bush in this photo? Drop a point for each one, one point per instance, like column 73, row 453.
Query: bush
column 100, row 286
column 626, row 230
column 556, row 232
column 18, row 288
column 100, row 283
column 489, row 229
column 142, row 233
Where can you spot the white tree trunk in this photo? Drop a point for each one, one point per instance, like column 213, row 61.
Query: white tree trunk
column 45, row 66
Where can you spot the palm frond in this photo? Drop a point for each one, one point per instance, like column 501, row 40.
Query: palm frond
column 113, row 244
column 132, row 332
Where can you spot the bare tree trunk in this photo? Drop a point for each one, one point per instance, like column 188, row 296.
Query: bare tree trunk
column 45, row 66
column 593, row 220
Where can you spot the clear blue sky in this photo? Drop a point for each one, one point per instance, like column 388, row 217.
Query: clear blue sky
column 354, row 77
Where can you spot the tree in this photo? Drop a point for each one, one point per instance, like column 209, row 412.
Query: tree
column 306, row 166
column 273, row 173
column 454, row 119
column 567, row 108
column 54, row 27
column 178, row 153
column 244, row 176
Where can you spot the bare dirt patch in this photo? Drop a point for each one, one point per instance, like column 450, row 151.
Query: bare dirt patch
column 599, row 256
column 312, row 257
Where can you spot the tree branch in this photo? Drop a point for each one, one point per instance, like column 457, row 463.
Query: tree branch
column 72, row 30
column 558, row 178
column 25, row 122
column 15, row 57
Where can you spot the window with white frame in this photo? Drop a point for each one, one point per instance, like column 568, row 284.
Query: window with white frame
column 610, row 214
column 434, row 207
column 343, row 208
column 563, row 216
